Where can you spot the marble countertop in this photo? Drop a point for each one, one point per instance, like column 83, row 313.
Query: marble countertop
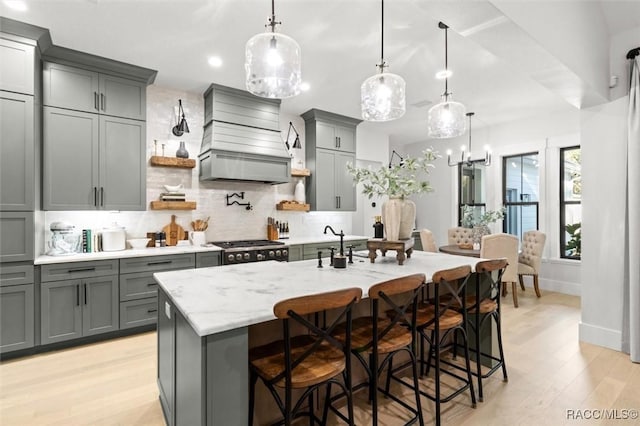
column 152, row 251
column 223, row 298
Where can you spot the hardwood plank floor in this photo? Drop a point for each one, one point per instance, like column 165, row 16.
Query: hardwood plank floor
column 550, row 372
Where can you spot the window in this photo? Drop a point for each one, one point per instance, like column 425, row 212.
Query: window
column 570, row 202
column 520, row 189
column 471, row 192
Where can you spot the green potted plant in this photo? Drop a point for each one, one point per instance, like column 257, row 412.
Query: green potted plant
column 574, row 245
column 397, row 181
column 480, row 222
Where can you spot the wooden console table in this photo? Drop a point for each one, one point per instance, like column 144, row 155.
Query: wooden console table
column 401, row 247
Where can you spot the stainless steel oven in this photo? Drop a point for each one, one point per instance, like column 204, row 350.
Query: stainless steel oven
column 246, row 251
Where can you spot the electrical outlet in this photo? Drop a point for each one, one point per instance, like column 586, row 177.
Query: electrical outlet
column 167, row 309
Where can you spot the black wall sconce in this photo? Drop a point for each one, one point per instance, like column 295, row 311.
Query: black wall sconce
column 181, row 126
column 394, row 153
column 296, row 143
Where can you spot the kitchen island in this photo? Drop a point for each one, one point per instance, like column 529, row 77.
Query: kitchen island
column 204, row 317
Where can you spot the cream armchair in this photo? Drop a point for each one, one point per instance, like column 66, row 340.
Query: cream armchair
column 460, row 235
column 531, row 257
column 502, row 245
column 428, row 242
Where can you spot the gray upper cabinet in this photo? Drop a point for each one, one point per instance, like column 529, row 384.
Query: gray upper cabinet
column 17, row 66
column 330, row 146
column 93, row 162
column 17, row 158
column 84, row 90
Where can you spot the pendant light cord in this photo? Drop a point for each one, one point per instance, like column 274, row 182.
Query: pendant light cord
column 272, row 21
column 382, row 35
column 446, row 61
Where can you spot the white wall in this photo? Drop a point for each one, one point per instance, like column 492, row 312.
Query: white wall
column 603, row 163
column 620, row 44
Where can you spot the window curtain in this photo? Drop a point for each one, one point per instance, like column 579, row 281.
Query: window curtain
column 631, row 320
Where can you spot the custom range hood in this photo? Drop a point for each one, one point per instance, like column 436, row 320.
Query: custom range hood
column 241, row 139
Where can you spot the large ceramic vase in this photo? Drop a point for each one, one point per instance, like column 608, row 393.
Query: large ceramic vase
column 480, row 231
column 398, row 217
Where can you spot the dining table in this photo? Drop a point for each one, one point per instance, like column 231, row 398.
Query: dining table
column 459, row 251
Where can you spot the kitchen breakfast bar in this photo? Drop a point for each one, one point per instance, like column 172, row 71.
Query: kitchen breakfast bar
column 205, row 315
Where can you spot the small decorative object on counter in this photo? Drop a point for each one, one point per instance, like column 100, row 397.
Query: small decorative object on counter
column 378, row 228
column 299, row 192
column 182, row 151
column 155, row 147
column 319, row 258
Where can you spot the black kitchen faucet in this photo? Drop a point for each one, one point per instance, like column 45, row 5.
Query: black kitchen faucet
column 341, row 235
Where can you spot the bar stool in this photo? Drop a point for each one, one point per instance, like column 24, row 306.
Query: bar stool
column 383, row 337
column 486, row 305
column 306, row 361
column 440, row 321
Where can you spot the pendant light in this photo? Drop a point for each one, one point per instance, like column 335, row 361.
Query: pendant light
column 272, row 63
column 382, row 96
column 446, row 119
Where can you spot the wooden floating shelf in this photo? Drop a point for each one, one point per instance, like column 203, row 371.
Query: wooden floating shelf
column 283, row 205
column 185, row 163
column 173, row 205
column 300, row 172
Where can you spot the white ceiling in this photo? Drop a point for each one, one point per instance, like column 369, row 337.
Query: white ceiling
column 340, row 43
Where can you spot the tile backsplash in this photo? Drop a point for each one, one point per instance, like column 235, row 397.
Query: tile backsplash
column 225, row 222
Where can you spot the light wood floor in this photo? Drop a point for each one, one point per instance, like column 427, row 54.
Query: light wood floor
column 550, row 372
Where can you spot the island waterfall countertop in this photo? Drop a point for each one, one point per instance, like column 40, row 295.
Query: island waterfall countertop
column 215, row 300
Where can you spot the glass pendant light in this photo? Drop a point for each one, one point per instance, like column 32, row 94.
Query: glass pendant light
column 446, row 119
column 272, row 63
column 382, row 96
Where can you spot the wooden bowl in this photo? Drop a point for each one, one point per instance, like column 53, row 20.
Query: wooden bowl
column 466, row 246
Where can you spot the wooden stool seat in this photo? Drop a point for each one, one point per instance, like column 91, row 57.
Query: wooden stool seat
column 448, row 320
column 326, row 362
column 397, row 338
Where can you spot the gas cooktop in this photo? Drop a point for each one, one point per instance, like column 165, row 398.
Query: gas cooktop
column 248, row 244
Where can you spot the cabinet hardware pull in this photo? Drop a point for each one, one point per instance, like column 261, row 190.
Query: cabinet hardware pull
column 77, row 294
column 95, row 101
column 95, row 196
column 151, row 310
column 164, row 262
column 336, row 138
column 339, row 201
column 81, row 269
column 102, row 196
column 151, row 284
column 339, row 141
column 103, row 101
column 85, row 294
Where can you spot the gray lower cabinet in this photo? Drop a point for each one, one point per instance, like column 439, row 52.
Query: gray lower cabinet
column 82, row 301
column 17, row 310
column 295, row 253
column 107, row 155
column 208, row 259
column 17, row 158
column 139, row 290
column 84, row 90
column 16, row 236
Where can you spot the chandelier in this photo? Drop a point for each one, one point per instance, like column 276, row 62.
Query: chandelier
column 465, row 155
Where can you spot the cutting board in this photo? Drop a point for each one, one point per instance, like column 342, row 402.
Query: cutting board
column 173, row 231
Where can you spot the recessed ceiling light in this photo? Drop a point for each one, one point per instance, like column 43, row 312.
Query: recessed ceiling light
column 215, row 61
column 18, row 5
column 441, row 75
column 304, row 86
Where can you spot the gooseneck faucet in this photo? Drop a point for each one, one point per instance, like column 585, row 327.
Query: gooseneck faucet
column 341, row 235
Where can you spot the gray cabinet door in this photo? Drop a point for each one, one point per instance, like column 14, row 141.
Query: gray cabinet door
column 166, row 356
column 324, row 181
column 60, row 311
column 326, row 135
column 70, row 87
column 123, row 172
column 16, row 236
column 122, row 97
column 346, row 138
column 17, row 157
column 16, row 67
column 100, row 305
column 345, row 190
column 136, row 313
column 295, row 253
column 205, row 260
column 70, row 175
column 16, row 317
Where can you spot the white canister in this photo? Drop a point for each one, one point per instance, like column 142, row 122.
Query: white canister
column 114, row 238
column 299, row 194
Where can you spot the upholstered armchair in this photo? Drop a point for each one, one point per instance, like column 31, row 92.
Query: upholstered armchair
column 460, row 235
column 428, row 242
column 531, row 257
column 495, row 246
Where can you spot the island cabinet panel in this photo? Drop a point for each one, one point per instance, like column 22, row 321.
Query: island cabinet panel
column 166, row 357
column 17, row 147
column 16, row 317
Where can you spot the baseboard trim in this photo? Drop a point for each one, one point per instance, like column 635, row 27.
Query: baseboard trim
column 564, row 287
column 600, row 336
